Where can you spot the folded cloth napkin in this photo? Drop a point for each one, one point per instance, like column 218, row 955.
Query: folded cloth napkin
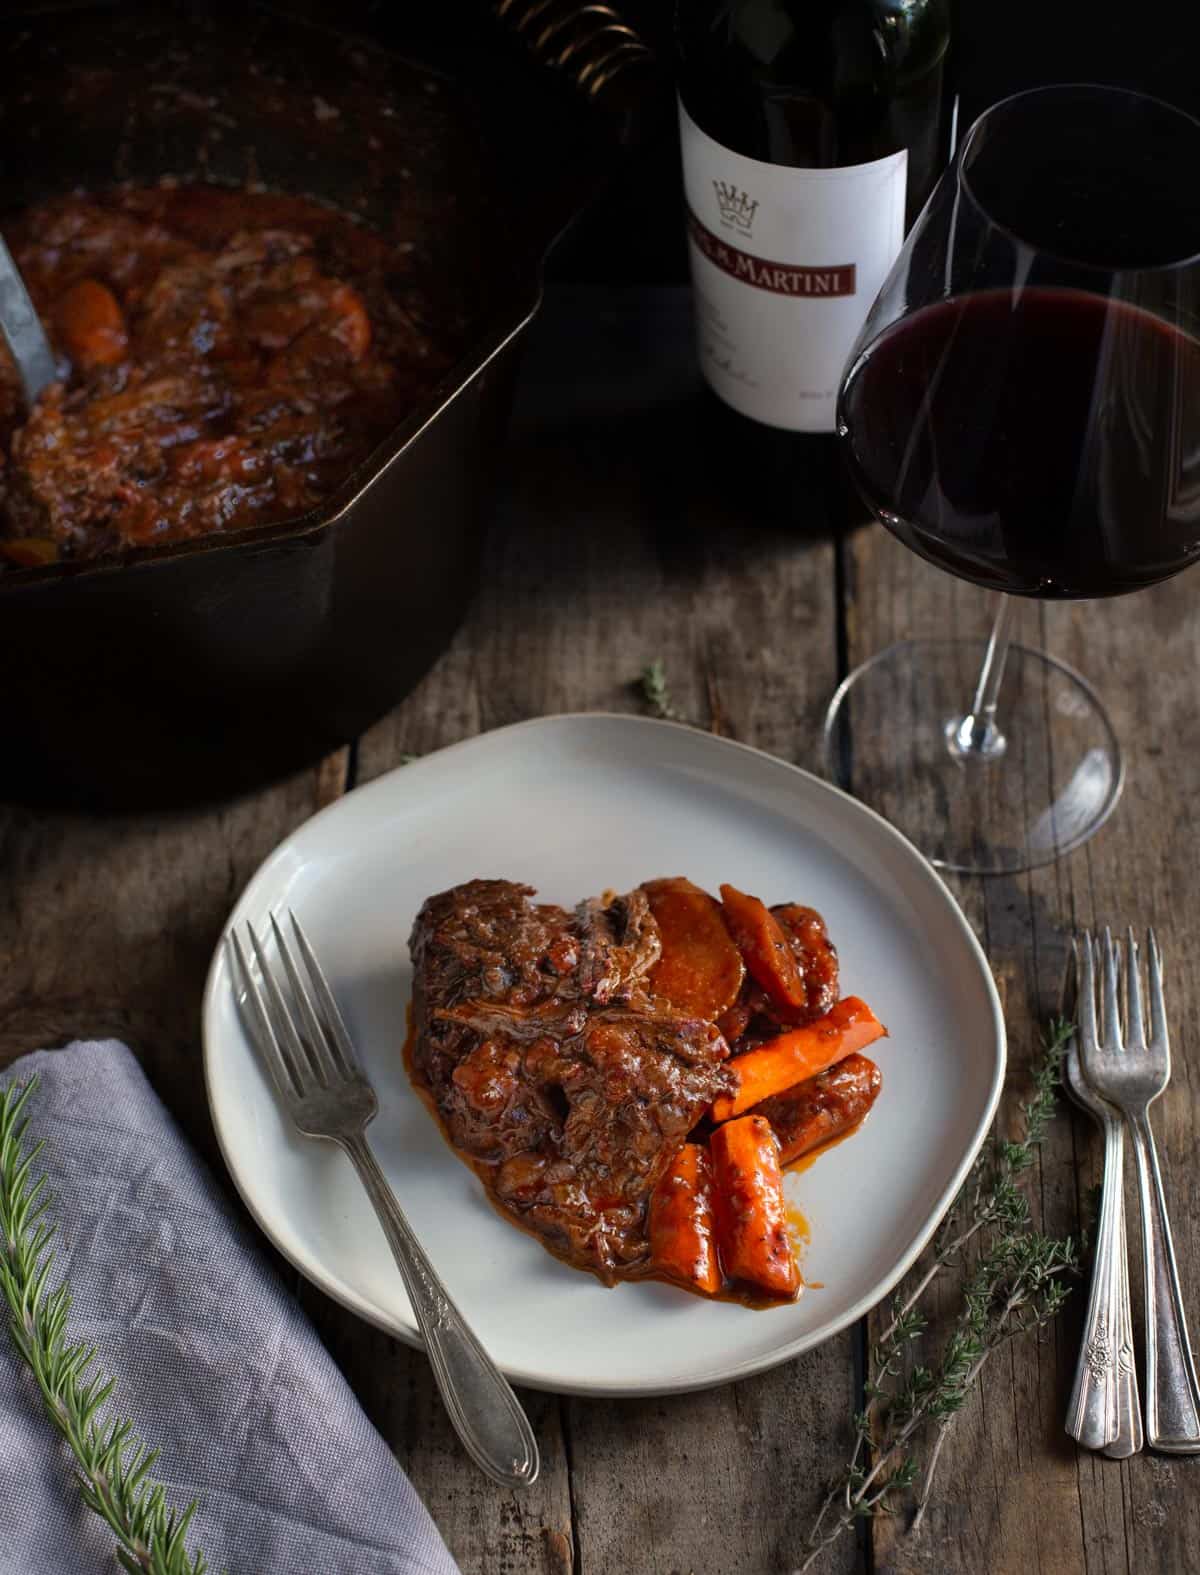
column 215, row 1363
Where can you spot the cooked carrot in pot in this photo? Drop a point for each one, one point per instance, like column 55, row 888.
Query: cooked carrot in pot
column 682, row 1244
column 798, row 1054
column 700, row 969
column 90, row 325
column 752, row 1233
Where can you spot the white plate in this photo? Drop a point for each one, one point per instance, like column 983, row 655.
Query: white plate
column 572, row 805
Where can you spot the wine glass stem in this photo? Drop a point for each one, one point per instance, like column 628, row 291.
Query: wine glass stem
column 977, row 736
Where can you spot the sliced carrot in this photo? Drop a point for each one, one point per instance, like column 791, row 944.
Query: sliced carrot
column 822, row 1108
column 751, row 1219
column 682, row 1244
column 762, row 942
column 91, row 325
column 700, row 969
column 815, row 955
column 798, row 1054
column 29, row 552
column 349, row 324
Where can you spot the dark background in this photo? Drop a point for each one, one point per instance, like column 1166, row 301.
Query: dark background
column 633, row 233
column 998, row 48
column 617, row 173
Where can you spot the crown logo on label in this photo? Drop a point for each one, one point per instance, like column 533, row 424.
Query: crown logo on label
column 736, row 207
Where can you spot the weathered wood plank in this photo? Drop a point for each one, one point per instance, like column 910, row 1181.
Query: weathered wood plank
column 1014, row 1493
column 597, row 567
column 107, row 925
column 603, row 559
column 486, row 1527
column 718, row 1483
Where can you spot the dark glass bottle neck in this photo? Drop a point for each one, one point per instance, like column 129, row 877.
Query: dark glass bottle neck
column 812, row 83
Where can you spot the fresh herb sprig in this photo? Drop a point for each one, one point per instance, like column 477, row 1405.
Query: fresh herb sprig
column 1018, row 1283
column 656, row 692
column 114, row 1465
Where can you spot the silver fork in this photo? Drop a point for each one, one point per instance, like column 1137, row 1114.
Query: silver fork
column 1105, row 1411
column 302, row 1037
column 1130, row 1071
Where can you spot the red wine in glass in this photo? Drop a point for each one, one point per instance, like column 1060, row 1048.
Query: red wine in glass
column 1077, row 473
column 1022, row 409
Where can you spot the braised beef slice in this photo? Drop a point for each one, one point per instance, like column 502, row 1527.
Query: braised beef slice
column 567, row 1086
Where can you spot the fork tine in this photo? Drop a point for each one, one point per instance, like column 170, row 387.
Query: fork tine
column 1158, row 1008
column 1085, row 957
column 1111, row 1012
column 331, row 1017
column 268, row 1044
column 1135, row 1024
column 319, row 1045
column 282, row 1024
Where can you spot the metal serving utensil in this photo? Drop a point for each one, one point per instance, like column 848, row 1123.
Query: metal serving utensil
column 301, row 1035
column 1104, row 1411
column 1130, row 1071
column 23, row 331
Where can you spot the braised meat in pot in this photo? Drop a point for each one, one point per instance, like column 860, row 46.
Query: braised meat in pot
column 228, row 358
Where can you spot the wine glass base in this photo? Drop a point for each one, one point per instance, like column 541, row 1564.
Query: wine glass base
column 1048, row 779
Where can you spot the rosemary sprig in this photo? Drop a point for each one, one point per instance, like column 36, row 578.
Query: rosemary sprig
column 657, row 693
column 114, row 1465
column 1017, row 1284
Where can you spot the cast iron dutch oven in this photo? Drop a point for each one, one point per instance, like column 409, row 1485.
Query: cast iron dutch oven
column 191, row 672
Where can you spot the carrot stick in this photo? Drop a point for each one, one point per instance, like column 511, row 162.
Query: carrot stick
column 800, row 1053
column 700, row 969
column 822, row 1108
column 90, row 324
column 752, row 1233
column 762, row 942
column 682, row 1244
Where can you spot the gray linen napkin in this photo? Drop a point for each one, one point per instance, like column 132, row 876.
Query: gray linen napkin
column 215, row 1363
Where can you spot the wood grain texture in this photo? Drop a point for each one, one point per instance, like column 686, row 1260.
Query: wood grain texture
column 617, row 543
column 107, row 925
column 594, row 569
column 1014, row 1493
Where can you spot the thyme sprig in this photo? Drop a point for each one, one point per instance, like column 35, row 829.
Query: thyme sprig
column 1018, row 1283
column 656, row 692
column 114, row 1465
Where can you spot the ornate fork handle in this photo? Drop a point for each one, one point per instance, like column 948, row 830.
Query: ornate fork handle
column 486, row 1414
column 1130, row 1437
column 1092, row 1415
column 1172, row 1393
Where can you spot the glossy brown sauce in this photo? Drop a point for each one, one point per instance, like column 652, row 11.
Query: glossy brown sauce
column 799, row 1229
column 806, row 1161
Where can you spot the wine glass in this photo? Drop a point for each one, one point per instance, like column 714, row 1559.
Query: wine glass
column 1022, row 408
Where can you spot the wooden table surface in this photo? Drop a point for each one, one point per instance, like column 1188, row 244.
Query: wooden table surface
column 620, row 539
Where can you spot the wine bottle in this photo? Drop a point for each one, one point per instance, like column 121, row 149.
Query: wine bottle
column 810, row 140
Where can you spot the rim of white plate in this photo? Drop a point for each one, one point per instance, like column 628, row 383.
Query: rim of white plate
column 281, row 1236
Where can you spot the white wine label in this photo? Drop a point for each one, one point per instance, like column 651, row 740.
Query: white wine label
column 785, row 265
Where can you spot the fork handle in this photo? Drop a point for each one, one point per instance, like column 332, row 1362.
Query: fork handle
column 1130, row 1436
column 1172, row 1393
column 486, row 1414
column 1092, row 1413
